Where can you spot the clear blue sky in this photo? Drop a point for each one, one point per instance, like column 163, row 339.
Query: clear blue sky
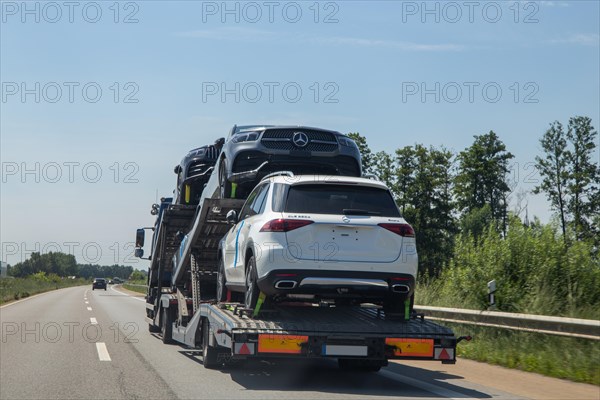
column 370, row 63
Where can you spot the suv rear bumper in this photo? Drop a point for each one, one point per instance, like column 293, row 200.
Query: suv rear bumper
column 343, row 284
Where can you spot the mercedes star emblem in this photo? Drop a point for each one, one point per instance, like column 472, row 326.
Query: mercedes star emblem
column 300, row 139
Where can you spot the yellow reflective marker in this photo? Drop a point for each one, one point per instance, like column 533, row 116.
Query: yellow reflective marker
column 288, row 344
column 411, row 347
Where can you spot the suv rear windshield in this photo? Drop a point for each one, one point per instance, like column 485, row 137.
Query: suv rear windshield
column 341, row 199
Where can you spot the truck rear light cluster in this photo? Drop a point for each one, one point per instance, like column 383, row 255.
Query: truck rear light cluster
column 404, row 230
column 284, row 225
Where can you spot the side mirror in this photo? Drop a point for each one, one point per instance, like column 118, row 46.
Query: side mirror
column 154, row 210
column 140, row 234
column 220, row 142
column 231, row 217
column 139, row 253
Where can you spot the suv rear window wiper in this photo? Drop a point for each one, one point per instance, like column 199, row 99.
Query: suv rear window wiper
column 357, row 211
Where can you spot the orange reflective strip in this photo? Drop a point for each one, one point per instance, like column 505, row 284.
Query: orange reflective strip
column 411, row 347
column 289, row 344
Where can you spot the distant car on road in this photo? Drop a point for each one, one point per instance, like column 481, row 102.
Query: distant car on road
column 99, row 283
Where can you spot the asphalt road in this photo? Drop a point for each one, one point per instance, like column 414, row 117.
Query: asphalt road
column 77, row 343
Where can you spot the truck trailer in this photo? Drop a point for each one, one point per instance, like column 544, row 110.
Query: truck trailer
column 181, row 304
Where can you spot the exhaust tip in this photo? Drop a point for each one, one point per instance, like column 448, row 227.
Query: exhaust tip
column 286, row 285
column 404, row 289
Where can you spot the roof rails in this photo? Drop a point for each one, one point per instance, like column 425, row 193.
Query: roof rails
column 278, row 173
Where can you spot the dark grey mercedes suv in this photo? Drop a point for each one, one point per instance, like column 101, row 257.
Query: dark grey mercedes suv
column 253, row 151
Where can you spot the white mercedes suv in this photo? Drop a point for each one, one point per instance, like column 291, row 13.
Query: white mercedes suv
column 317, row 238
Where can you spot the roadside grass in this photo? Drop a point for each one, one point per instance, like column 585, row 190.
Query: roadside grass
column 574, row 359
column 12, row 289
column 136, row 286
column 559, row 357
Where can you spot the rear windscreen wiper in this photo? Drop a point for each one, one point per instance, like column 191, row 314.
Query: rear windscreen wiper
column 357, row 211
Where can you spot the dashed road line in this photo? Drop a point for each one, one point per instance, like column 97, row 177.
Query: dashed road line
column 89, row 308
column 102, row 351
column 87, row 302
column 93, row 321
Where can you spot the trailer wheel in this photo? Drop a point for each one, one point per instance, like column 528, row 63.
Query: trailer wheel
column 166, row 326
column 252, row 292
column 224, row 184
column 221, row 287
column 210, row 354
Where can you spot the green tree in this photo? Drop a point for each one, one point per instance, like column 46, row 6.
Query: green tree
column 50, row 263
column 476, row 221
column 384, row 166
column 570, row 179
column 406, row 165
column 481, row 177
column 430, row 207
column 554, row 170
column 584, row 182
column 365, row 152
column 137, row 275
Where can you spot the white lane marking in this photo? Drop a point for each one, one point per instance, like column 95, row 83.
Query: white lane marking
column 89, row 308
column 128, row 295
column 93, row 321
column 440, row 391
column 34, row 296
column 87, row 302
column 102, row 351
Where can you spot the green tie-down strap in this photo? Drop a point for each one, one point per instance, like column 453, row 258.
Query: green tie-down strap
column 233, row 189
column 407, row 309
column 259, row 303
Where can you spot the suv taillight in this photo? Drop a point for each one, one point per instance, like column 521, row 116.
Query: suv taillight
column 284, row 225
column 404, row 230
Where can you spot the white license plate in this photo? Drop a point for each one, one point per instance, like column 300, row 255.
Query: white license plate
column 337, row 350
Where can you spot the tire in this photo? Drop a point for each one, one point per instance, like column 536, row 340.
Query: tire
column 210, row 355
column 252, row 291
column 153, row 328
column 166, row 326
column 221, row 281
column 224, row 184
